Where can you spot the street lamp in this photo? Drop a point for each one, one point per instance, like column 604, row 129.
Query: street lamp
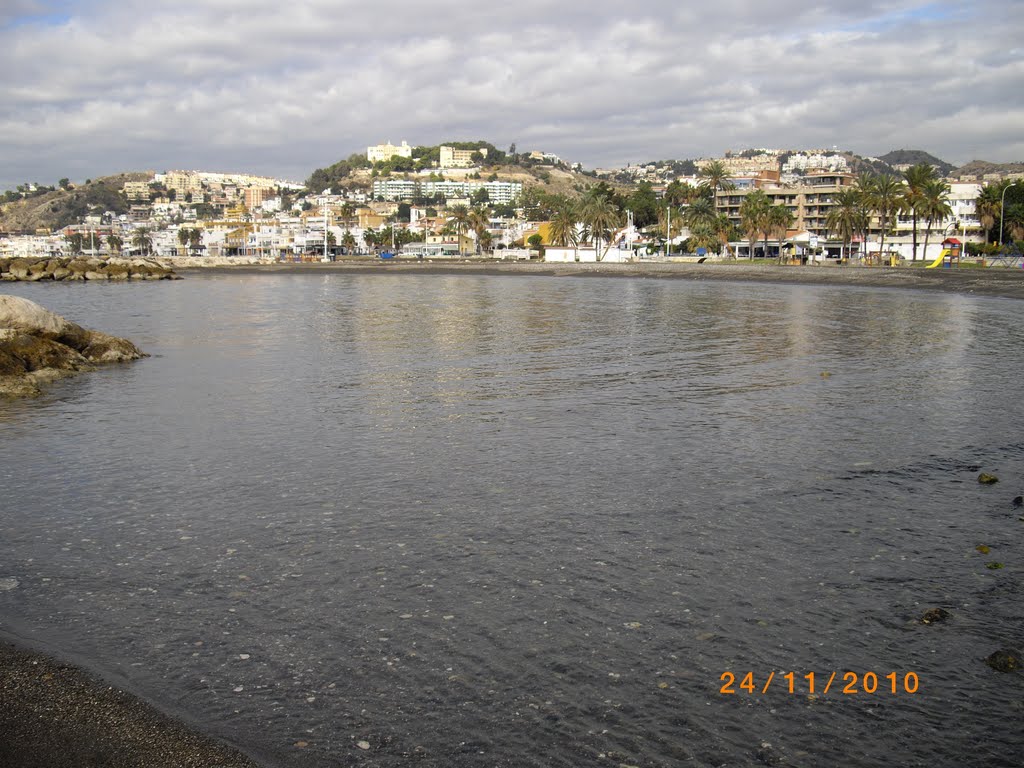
column 1002, row 206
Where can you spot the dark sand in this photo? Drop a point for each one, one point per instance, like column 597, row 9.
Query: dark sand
column 1003, row 282
column 53, row 715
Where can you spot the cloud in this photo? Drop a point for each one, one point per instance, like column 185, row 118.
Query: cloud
column 103, row 86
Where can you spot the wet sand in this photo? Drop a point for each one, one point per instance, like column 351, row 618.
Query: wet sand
column 1003, row 282
column 54, row 715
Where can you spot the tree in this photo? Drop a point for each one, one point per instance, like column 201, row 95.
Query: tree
column 778, row 220
column 195, row 239
column 64, row 183
column 714, row 176
column 644, row 205
column 75, row 241
column 114, row 243
column 459, row 219
column 845, row 219
column 933, row 206
column 885, row 200
column 143, row 240
column 563, row 228
column 184, row 236
column 754, row 218
column 348, row 242
column 600, row 217
column 916, row 177
column 479, row 221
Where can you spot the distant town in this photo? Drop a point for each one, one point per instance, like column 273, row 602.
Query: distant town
column 470, row 199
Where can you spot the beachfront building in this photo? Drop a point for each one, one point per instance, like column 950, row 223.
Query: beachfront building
column 809, row 200
column 387, row 150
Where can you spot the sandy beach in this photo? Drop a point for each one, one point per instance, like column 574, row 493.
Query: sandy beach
column 993, row 281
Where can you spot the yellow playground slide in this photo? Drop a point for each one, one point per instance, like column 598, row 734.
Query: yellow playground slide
column 938, row 261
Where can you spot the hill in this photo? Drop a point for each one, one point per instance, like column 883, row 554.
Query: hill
column 979, row 169
column 900, row 157
column 57, row 208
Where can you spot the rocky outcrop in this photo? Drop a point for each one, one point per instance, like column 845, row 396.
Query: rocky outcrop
column 37, row 345
column 20, row 269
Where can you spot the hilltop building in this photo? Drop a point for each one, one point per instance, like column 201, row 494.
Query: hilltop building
column 459, row 158
column 386, row 151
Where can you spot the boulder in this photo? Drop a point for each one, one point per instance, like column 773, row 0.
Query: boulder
column 19, row 268
column 96, row 274
column 1004, row 660
column 37, row 345
column 61, row 273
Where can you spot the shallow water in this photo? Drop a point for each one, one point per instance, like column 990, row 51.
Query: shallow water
column 479, row 521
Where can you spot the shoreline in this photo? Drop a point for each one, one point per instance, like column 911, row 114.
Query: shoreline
column 53, row 714
column 1001, row 282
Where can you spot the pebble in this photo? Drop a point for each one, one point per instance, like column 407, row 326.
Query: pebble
column 7, row 584
column 363, row 744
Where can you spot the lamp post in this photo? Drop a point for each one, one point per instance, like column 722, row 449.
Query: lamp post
column 1002, row 206
column 325, row 257
column 668, row 229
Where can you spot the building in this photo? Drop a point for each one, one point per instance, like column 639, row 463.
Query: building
column 386, row 151
column 136, row 191
column 498, row 192
column 459, row 158
column 809, row 201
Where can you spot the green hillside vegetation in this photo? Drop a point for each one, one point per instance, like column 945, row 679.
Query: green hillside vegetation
column 52, row 208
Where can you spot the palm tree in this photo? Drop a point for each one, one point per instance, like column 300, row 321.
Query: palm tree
column 114, row 243
column 348, row 242
column 1014, row 221
column 881, row 195
column 600, row 217
column 753, row 218
column 478, row 221
column 916, row 177
column 195, row 239
column 143, row 240
column 778, row 220
column 714, row 175
column 460, row 220
column 184, row 237
column 934, row 206
column 846, row 218
column 563, row 228
column 988, row 205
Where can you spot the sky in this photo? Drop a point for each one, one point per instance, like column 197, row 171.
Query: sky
column 95, row 87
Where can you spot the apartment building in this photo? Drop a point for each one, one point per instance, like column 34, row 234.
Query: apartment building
column 498, row 192
column 809, row 201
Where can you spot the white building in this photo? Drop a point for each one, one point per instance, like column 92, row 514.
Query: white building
column 386, row 151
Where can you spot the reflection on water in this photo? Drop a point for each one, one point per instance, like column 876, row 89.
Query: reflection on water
column 530, row 521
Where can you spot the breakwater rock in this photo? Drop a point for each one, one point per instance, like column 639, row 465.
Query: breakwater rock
column 37, row 346
column 31, row 269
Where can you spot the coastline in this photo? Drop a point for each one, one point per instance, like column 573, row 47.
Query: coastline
column 54, row 714
column 1002, row 282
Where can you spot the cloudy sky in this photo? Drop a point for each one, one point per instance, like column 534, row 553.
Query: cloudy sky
column 92, row 87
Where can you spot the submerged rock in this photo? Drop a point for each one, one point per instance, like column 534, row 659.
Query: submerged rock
column 986, row 479
column 1004, row 660
column 934, row 615
column 37, row 345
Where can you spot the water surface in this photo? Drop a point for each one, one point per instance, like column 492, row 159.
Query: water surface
column 479, row 521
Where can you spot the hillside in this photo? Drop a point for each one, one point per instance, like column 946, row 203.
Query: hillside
column 915, row 157
column 982, row 168
column 60, row 207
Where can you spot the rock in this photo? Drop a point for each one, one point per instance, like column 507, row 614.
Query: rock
column 117, row 271
column 986, row 479
column 61, row 273
column 94, row 274
column 934, row 615
column 1004, row 660
column 993, row 566
column 37, row 345
column 1018, row 501
column 19, row 268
